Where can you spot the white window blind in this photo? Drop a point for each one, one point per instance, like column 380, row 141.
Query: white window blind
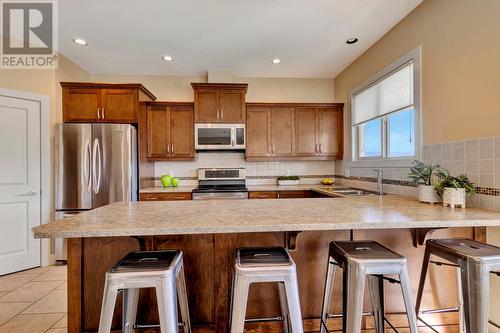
column 392, row 93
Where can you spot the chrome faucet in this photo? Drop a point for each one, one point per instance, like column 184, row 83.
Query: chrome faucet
column 380, row 176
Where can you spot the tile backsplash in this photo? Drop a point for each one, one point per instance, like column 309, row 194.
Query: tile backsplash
column 257, row 172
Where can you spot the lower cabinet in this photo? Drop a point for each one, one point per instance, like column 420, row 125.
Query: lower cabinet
column 281, row 194
column 165, row 196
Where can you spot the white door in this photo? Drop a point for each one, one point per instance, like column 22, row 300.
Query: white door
column 20, row 168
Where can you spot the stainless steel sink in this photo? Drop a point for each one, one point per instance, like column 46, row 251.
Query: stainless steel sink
column 352, row 191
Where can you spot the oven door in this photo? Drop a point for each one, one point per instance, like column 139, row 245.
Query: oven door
column 219, row 136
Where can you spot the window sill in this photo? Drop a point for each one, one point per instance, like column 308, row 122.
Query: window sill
column 380, row 163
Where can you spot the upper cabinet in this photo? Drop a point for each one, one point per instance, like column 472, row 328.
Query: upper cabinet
column 170, row 131
column 219, row 102
column 286, row 131
column 102, row 102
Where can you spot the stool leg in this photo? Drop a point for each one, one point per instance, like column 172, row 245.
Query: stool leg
column 284, row 307
column 292, row 296
column 130, row 301
column 327, row 294
column 183, row 300
column 166, row 296
column 475, row 285
column 108, row 307
column 423, row 275
column 239, row 304
column 355, row 291
column 406, row 289
column 376, row 285
column 460, row 299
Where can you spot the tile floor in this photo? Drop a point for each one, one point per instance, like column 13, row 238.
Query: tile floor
column 34, row 301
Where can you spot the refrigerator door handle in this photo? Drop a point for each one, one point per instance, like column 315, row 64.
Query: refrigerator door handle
column 96, row 155
column 100, row 167
column 87, row 165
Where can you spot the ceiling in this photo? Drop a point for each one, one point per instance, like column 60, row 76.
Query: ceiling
column 242, row 36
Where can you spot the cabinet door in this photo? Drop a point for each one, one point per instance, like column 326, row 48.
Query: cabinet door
column 164, row 196
column 80, row 105
column 158, row 132
column 263, row 195
column 305, row 132
column 258, row 128
column 282, row 132
column 206, row 105
column 119, row 105
column 181, row 132
column 330, row 125
column 232, row 106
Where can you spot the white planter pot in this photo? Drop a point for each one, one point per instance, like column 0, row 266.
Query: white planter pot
column 288, row 182
column 427, row 193
column 454, row 197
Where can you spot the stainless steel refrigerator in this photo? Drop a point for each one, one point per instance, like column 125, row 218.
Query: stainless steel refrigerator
column 96, row 164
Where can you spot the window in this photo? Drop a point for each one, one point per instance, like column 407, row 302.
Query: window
column 383, row 116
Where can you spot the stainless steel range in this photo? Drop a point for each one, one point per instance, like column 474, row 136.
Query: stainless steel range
column 221, row 184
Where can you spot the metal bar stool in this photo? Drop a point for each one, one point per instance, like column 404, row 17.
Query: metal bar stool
column 475, row 261
column 162, row 270
column 272, row 264
column 360, row 260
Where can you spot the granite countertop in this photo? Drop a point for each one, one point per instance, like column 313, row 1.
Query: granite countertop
column 238, row 216
column 161, row 189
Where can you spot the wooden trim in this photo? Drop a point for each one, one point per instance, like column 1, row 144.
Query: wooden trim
column 297, row 105
column 222, row 258
column 167, row 103
column 75, row 297
column 480, row 234
column 236, row 86
column 292, row 158
column 109, row 86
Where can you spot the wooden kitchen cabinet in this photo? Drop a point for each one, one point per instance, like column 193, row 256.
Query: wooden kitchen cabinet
column 286, row 131
column 219, row 102
column 170, row 131
column 295, row 194
column 164, row 196
column 103, row 102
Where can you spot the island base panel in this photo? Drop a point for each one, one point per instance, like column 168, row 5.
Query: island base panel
column 208, row 263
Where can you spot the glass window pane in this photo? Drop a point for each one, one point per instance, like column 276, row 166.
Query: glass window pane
column 370, row 138
column 401, row 131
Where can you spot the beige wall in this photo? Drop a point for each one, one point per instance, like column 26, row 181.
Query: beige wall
column 460, row 56
column 178, row 88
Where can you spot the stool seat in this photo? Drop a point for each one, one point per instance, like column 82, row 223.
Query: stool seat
column 262, row 256
column 145, row 260
column 466, row 249
column 362, row 250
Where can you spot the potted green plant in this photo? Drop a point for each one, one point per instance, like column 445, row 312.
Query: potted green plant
column 454, row 190
column 288, row 180
column 425, row 176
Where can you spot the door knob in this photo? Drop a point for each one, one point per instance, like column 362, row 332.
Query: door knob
column 30, row 193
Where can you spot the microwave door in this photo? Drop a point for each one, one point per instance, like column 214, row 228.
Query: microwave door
column 213, row 138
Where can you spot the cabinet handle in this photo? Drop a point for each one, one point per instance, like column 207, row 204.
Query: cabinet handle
column 218, row 114
column 103, row 116
column 274, row 152
column 222, row 114
column 98, row 113
column 172, row 145
column 151, row 198
column 320, row 149
column 168, row 147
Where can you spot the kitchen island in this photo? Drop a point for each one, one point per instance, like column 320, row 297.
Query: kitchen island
column 210, row 231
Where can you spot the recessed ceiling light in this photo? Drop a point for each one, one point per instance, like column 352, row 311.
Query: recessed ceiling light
column 167, row 58
column 79, row 41
column 351, row 40
column 276, row 61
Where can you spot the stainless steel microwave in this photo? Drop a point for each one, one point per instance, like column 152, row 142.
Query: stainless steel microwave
column 219, row 136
